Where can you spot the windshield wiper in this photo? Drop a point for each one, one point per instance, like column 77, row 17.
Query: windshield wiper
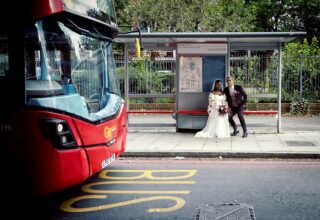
column 97, row 34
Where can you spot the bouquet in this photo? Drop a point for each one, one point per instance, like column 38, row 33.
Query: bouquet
column 223, row 109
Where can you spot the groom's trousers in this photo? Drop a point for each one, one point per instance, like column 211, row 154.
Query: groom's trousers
column 237, row 110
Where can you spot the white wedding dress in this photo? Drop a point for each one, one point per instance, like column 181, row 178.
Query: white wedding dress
column 217, row 125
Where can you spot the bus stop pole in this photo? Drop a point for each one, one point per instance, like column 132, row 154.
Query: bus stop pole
column 126, row 80
column 279, row 88
column 228, row 60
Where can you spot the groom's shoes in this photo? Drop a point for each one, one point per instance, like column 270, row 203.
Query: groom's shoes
column 235, row 132
column 245, row 134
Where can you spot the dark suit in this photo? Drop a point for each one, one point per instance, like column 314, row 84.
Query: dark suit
column 236, row 106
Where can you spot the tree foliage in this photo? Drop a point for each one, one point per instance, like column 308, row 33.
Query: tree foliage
column 227, row 16
column 162, row 15
column 287, row 15
column 221, row 15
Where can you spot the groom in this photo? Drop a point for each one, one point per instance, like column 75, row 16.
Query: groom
column 236, row 98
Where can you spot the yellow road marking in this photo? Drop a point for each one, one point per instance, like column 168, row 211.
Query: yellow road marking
column 147, row 182
column 142, row 182
column 67, row 205
column 147, row 174
column 133, row 191
column 88, row 187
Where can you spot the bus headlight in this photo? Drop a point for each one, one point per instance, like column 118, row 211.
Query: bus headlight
column 59, row 128
column 58, row 132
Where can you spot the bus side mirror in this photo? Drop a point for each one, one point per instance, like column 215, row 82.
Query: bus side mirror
column 138, row 41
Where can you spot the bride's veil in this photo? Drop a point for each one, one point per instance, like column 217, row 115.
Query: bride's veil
column 212, row 87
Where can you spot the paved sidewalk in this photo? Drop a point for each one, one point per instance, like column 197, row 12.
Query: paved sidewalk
column 262, row 142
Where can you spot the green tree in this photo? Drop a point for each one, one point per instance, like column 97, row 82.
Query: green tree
column 164, row 15
column 221, row 15
column 270, row 14
column 308, row 18
column 227, row 16
column 121, row 12
column 287, row 15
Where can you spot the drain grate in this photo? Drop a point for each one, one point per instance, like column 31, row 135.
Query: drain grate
column 239, row 211
column 300, row 143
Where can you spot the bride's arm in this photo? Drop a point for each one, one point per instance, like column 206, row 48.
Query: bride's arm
column 212, row 103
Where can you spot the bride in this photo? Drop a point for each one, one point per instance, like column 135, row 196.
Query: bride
column 217, row 125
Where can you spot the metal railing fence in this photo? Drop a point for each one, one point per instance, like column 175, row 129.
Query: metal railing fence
column 258, row 74
column 149, row 78
column 301, row 77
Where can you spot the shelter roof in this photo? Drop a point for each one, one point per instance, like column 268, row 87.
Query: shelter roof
column 233, row 37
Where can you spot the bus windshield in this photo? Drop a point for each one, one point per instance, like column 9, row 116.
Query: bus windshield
column 69, row 71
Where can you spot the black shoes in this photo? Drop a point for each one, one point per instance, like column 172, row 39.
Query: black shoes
column 245, row 134
column 235, row 132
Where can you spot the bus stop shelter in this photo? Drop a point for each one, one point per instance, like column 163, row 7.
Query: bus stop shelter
column 201, row 59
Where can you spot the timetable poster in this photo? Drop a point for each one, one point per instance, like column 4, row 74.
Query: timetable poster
column 190, row 74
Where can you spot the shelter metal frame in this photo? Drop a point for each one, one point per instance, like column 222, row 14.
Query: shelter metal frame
column 234, row 40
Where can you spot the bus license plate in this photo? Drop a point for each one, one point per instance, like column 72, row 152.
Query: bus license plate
column 107, row 161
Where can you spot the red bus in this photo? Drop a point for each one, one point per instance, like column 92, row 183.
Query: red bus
column 62, row 118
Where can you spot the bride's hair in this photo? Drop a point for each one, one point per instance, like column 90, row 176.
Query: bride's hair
column 214, row 87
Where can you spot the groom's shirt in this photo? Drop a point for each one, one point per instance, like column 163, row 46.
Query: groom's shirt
column 233, row 96
column 231, row 89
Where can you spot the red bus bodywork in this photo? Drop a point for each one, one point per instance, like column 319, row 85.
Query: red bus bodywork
column 44, row 167
column 50, row 169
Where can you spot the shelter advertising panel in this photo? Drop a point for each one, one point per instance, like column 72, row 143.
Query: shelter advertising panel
column 190, row 74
